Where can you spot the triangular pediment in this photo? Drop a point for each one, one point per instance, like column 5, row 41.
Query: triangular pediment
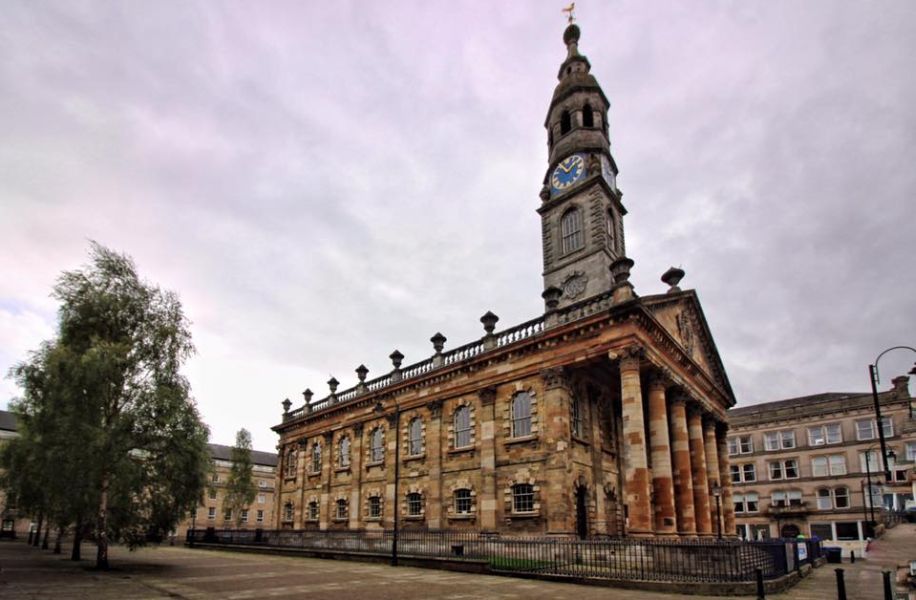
column 682, row 317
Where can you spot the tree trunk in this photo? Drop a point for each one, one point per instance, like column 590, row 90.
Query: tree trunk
column 44, row 542
column 60, row 534
column 77, row 539
column 37, row 537
column 31, row 535
column 101, row 557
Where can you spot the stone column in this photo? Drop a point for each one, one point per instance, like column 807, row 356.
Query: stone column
column 324, row 514
column 712, row 471
column 487, row 422
column 280, row 480
column 636, row 468
column 557, row 490
column 356, row 477
column 434, row 460
column 725, row 479
column 683, row 478
column 302, row 455
column 698, row 469
column 594, row 412
column 662, row 476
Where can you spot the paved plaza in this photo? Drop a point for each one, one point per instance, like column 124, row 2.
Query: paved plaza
column 178, row 572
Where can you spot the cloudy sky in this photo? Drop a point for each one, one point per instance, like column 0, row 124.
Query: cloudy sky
column 324, row 182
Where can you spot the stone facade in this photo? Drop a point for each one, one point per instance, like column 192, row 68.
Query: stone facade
column 605, row 416
column 213, row 513
column 13, row 524
column 798, row 466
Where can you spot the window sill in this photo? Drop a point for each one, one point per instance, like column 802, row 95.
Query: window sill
column 411, row 457
column 461, row 517
column 342, row 470
column 414, row 517
column 525, row 515
column 580, row 440
column 314, row 473
column 340, row 519
column 373, row 519
column 377, row 463
column 522, row 440
column 462, row 450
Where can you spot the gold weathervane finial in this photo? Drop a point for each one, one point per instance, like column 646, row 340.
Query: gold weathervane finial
column 570, row 12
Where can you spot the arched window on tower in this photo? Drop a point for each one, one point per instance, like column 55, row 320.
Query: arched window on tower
column 565, row 122
column 588, row 118
column 571, row 230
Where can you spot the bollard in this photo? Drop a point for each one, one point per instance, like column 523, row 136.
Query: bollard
column 761, row 593
column 888, row 590
column 840, row 585
column 852, row 556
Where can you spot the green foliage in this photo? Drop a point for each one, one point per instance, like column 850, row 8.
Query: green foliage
column 108, row 426
column 240, row 488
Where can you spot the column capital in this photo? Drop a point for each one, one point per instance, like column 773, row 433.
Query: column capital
column 659, row 377
column 695, row 409
column 358, row 428
column 328, row 436
column 392, row 418
column 487, row 396
column 629, row 356
column 555, row 377
column 710, row 422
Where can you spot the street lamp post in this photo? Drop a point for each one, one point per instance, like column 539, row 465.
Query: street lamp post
column 873, row 378
column 717, row 494
column 870, row 497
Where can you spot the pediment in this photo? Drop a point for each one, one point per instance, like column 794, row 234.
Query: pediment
column 682, row 317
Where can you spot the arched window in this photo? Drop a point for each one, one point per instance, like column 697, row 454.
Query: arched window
column 288, row 512
column 824, row 499
column 291, row 456
column 565, row 122
column 375, row 507
column 588, row 118
column 313, row 511
column 316, row 458
column 463, row 501
column 341, row 509
column 414, row 504
column 611, row 230
column 377, row 445
column 343, row 452
column 521, row 415
column 462, row 427
column 841, row 497
column 571, row 230
column 522, row 498
column 415, row 437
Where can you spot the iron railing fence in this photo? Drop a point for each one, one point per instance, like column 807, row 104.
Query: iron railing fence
column 700, row 560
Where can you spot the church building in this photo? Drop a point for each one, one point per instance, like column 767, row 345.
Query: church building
column 604, row 416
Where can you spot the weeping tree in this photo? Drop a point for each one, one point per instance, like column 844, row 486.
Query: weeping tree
column 240, row 487
column 107, row 399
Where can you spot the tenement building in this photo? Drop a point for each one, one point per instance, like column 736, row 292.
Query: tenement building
column 813, row 465
column 12, row 522
column 213, row 511
column 604, row 416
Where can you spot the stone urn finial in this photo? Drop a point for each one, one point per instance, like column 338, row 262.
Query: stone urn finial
column 361, row 372
column 489, row 322
column 396, row 359
column 286, row 404
column 551, row 298
column 672, row 277
column 438, row 341
column 333, row 383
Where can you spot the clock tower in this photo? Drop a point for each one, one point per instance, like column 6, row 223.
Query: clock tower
column 581, row 210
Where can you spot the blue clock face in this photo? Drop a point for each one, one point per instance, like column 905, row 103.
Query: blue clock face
column 568, row 172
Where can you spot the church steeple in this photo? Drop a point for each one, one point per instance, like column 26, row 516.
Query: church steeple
column 581, row 212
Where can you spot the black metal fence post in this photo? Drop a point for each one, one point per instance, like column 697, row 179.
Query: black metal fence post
column 761, row 592
column 888, row 590
column 840, row 585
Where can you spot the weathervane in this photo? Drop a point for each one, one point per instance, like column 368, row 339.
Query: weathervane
column 570, row 12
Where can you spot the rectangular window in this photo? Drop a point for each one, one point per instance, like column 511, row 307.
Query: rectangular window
column 414, row 504
column 262, row 498
column 746, row 503
column 577, row 417
column 837, row 464
column 911, row 451
column 313, row 511
column 783, row 469
column 522, row 498
column 244, row 515
column 260, row 516
column 212, row 494
column 866, row 430
column 341, row 509
column 819, row 466
column 750, row 472
column 779, row 440
column 211, row 513
column 821, row 435
column 822, row 530
column 742, row 444
column 847, row 531
column 822, row 466
column 743, row 473
column 227, row 515
column 262, row 483
column 463, row 502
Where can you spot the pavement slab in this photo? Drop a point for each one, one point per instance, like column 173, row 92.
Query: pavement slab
column 198, row 574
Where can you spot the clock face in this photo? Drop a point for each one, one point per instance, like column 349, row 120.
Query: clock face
column 569, row 171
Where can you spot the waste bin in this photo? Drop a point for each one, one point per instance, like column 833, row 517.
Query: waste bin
column 834, row 555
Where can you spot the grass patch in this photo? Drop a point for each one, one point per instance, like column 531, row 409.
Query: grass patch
column 518, row 564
